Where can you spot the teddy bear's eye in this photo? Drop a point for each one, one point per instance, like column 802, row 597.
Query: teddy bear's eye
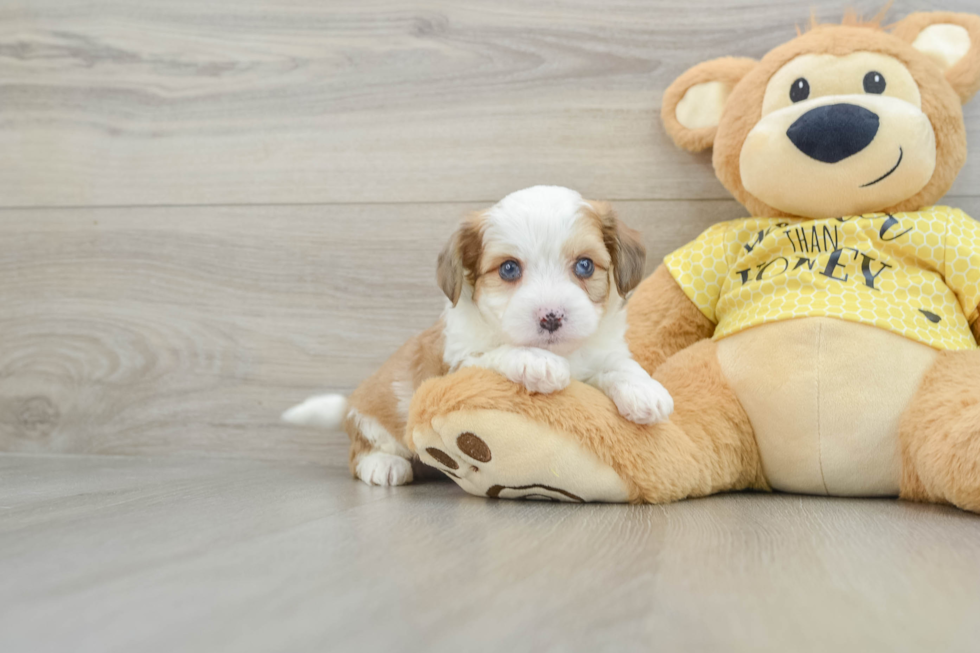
column 874, row 82
column 800, row 90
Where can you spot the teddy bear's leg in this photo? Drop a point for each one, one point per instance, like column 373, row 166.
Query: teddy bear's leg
column 940, row 434
column 496, row 439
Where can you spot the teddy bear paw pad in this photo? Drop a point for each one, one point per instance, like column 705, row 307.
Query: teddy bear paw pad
column 502, row 455
column 470, row 446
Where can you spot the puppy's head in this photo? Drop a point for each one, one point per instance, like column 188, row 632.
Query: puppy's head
column 543, row 266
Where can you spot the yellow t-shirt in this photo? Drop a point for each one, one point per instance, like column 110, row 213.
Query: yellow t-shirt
column 917, row 274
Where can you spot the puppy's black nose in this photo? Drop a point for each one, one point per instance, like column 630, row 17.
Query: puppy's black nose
column 551, row 322
column 834, row 132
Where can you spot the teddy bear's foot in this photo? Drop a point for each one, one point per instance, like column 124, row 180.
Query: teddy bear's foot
column 504, row 455
column 497, row 439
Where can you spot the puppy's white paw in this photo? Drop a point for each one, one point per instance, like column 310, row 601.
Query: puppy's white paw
column 641, row 400
column 384, row 469
column 539, row 370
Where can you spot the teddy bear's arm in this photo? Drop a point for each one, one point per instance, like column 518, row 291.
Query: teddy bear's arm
column 663, row 320
column 975, row 327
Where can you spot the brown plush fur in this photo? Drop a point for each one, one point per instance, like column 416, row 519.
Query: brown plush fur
column 942, row 97
column 707, row 446
column 940, row 434
column 964, row 77
column 728, row 70
column 940, row 102
column 663, row 320
column 851, row 19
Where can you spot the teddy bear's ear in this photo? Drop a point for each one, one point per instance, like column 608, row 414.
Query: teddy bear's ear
column 693, row 103
column 952, row 41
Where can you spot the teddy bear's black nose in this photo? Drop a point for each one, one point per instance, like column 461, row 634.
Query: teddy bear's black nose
column 834, row 132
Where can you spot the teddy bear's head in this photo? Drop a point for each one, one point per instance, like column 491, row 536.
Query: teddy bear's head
column 842, row 120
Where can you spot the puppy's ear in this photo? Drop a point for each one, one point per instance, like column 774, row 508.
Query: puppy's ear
column 952, row 41
column 631, row 256
column 693, row 104
column 625, row 247
column 449, row 271
column 460, row 257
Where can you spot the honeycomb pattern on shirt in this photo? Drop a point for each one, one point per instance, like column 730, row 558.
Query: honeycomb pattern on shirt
column 916, row 274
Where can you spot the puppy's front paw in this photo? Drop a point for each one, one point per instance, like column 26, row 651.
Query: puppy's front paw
column 641, row 400
column 377, row 468
column 539, row 370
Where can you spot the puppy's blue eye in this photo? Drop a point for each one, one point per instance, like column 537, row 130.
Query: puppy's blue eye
column 510, row 270
column 584, row 267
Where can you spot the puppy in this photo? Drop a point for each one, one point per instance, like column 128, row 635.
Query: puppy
column 536, row 287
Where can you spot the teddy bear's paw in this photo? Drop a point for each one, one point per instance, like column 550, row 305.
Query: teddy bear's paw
column 538, row 370
column 465, row 458
column 459, row 455
column 377, row 468
column 641, row 399
column 504, row 455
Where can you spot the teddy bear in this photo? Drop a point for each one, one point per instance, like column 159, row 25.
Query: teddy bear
column 827, row 344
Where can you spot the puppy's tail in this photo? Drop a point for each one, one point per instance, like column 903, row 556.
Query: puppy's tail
column 324, row 411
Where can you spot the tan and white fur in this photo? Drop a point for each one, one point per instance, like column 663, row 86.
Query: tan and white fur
column 536, row 289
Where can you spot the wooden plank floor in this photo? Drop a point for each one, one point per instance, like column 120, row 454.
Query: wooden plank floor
column 108, row 554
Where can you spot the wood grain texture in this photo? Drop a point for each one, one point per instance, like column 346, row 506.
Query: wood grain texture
column 134, row 102
column 131, row 554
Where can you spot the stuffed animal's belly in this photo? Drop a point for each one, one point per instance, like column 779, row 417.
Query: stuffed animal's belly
column 825, row 398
